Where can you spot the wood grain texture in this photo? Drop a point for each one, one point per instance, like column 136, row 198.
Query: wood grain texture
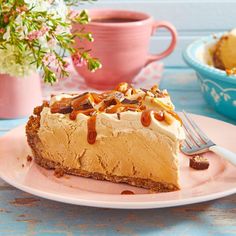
column 24, row 214
column 44, row 217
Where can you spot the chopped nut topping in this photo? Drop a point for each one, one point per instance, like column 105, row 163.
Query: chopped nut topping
column 63, row 106
column 82, row 102
column 128, row 101
column 123, row 98
column 113, row 98
column 123, row 87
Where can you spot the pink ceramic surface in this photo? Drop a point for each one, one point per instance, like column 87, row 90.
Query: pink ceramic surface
column 197, row 186
column 121, row 47
column 18, row 96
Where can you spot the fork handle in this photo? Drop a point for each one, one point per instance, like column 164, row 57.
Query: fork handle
column 224, row 153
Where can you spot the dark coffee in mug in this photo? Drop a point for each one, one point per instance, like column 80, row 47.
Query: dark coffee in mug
column 114, row 20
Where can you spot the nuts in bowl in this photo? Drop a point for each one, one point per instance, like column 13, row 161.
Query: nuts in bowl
column 214, row 61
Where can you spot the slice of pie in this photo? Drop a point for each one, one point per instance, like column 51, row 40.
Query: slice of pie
column 125, row 135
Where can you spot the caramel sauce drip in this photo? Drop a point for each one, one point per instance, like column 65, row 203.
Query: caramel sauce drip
column 176, row 116
column 112, row 102
column 127, row 192
column 123, row 107
column 76, row 102
column 97, row 97
column 86, row 112
column 159, row 115
column 102, row 108
column 163, row 105
column 142, row 107
column 146, row 118
column 92, row 134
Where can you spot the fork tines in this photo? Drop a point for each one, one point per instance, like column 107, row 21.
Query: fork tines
column 195, row 137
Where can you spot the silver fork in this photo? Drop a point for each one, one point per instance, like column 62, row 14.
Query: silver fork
column 196, row 142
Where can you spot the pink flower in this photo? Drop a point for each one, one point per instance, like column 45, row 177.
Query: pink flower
column 66, row 64
column 2, row 30
column 5, row 18
column 37, row 33
column 44, row 30
column 49, row 58
column 73, row 14
column 34, row 35
column 78, row 60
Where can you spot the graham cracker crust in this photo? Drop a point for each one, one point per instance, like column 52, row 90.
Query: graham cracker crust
column 34, row 142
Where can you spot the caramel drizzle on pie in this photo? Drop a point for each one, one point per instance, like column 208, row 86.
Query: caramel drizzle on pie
column 146, row 117
column 92, row 133
column 112, row 101
column 127, row 192
column 87, row 112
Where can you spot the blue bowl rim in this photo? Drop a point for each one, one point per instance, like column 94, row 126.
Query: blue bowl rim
column 189, row 56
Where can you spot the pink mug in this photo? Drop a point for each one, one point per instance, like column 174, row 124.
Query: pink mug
column 121, row 42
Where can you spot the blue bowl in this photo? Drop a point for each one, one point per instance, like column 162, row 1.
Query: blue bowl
column 218, row 89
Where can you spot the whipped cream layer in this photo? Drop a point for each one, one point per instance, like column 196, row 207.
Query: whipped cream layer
column 128, row 121
column 110, row 125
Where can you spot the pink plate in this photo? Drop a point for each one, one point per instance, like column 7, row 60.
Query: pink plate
column 197, row 186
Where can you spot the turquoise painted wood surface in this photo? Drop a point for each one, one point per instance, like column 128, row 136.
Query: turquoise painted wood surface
column 24, row 214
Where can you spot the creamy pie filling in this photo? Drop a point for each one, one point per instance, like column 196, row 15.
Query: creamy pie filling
column 123, row 132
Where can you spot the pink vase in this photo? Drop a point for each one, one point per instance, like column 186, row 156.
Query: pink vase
column 18, row 96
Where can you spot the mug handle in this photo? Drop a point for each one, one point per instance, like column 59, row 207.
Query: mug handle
column 172, row 29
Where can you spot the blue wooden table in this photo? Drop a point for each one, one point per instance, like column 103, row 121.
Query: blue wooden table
column 24, row 214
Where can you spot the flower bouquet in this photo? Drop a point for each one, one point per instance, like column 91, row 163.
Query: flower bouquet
column 34, row 36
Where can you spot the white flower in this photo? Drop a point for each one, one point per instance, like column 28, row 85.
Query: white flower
column 38, row 5
column 52, row 43
column 21, row 29
column 61, row 29
column 215, row 95
column 6, row 36
column 10, row 64
column 55, row 7
column 18, row 20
